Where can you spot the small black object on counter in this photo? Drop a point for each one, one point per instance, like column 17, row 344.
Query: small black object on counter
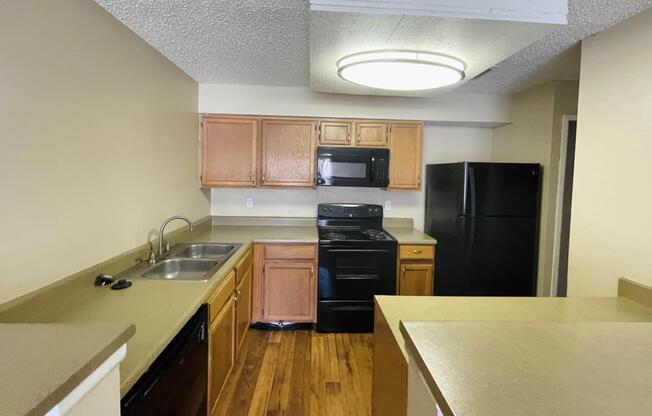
column 121, row 284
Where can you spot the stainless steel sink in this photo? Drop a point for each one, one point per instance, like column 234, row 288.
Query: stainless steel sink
column 207, row 251
column 181, row 269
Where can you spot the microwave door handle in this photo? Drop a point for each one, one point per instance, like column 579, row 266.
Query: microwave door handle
column 373, row 169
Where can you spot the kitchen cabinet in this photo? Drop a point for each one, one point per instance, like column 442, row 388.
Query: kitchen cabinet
column 229, row 147
column 371, row 133
column 406, row 156
column 335, row 133
column 288, row 153
column 221, row 347
column 416, row 270
column 285, row 283
column 244, row 273
column 221, row 337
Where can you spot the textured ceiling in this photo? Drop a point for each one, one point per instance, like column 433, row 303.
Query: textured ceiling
column 266, row 42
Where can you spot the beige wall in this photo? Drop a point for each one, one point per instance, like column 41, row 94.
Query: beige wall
column 441, row 144
column 535, row 136
column 611, row 227
column 97, row 141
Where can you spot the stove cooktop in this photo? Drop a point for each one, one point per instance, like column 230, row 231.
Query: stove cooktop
column 364, row 234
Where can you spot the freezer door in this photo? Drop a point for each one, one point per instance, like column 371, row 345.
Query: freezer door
column 488, row 256
column 501, row 189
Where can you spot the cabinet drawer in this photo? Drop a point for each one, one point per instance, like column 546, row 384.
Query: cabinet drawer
column 416, row 252
column 289, row 251
column 221, row 296
column 243, row 265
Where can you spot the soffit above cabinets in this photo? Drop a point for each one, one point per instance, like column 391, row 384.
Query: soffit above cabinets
column 481, row 34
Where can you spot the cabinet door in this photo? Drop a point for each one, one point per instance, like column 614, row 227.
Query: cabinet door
column 288, row 153
column 371, row 134
column 334, row 133
column 229, row 152
column 221, row 335
column 243, row 308
column 289, row 292
column 406, row 156
column 416, row 279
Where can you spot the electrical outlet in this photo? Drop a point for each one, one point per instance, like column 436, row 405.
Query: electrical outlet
column 388, row 205
column 249, row 203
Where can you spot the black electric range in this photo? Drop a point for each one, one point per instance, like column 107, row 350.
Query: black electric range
column 357, row 260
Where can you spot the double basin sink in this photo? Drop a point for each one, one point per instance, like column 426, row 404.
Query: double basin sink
column 189, row 262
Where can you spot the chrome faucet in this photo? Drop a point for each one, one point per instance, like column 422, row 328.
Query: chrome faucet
column 163, row 247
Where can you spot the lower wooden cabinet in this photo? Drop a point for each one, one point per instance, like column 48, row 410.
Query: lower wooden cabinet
column 416, row 267
column 243, row 308
column 285, row 283
column 290, row 290
column 221, row 351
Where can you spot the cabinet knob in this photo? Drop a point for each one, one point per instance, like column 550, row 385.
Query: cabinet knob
column 417, row 251
column 263, row 179
column 403, row 269
column 419, row 182
column 253, row 178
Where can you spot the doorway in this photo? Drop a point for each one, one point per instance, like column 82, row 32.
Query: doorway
column 564, row 205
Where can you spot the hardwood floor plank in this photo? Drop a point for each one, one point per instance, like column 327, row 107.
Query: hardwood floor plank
column 300, row 373
column 280, row 394
column 239, row 387
column 265, row 381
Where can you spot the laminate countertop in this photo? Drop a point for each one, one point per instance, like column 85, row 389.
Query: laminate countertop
column 395, row 309
column 525, row 368
column 157, row 308
column 408, row 235
column 40, row 364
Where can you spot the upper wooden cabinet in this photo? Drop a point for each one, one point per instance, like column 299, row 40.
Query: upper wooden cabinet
column 229, row 152
column 288, row 153
column 371, row 134
column 335, row 133
column 405, row 156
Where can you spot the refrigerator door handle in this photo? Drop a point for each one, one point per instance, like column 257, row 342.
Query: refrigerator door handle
column 472, row 189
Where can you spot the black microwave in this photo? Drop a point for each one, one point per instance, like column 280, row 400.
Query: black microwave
column 352, row 166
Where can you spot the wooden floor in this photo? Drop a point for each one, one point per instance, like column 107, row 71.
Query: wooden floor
column 300, row 373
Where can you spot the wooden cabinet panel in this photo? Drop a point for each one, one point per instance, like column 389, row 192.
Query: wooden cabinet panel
column 416, row 279
column 290, row 251
column 221, row 348
column 406, row 156
column 288, row 153
column 243, row 307
column 289, row 291
column 229, row 152
column 243, row 265
column 334, row 133
column 371, row 134
column 416, row 252
column 221, row 296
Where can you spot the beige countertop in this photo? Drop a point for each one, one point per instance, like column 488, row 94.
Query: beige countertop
column 435, row 308
column 408, row 235
column 157, row 308
column 525, row 368
column 40, row 364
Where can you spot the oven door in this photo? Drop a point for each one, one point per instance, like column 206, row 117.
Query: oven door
column 337, row 166
column 356, row 272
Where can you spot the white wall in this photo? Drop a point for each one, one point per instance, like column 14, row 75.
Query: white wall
column 98, row 141
column 441, row 144
column 481, row 110
column 611, row 227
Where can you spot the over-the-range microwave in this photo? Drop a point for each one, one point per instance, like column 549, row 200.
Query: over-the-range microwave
column 353, row 166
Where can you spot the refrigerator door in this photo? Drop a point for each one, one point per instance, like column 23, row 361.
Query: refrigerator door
column 487, row 256
column 500, row 189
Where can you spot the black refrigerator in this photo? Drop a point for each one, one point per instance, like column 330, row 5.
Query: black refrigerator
column 485, row 217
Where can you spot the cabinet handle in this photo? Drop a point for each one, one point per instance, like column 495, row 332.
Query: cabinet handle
column 253, row 178
column 263, row 178
column 403, row 269
column 358, row 140
column 419, row 182
column 312, row 272
column 417, row 251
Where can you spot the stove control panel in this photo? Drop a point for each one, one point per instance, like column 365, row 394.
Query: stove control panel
column 350, row 211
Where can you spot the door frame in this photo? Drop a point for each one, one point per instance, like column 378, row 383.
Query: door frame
column 559, row 208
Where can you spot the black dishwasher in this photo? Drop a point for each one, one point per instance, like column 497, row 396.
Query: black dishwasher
column 175, row 384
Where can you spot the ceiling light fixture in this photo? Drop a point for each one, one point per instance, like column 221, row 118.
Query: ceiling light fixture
column 401, row 70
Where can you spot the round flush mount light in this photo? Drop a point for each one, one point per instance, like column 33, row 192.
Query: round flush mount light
column 401, row 70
